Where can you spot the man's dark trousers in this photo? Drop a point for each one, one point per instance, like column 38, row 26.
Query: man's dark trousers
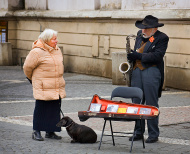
column 149, row 81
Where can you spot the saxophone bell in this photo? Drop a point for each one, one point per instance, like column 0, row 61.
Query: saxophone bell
column 124, row 67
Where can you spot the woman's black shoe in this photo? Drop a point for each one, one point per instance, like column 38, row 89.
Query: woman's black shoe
column 52, row 135
column 36, row 135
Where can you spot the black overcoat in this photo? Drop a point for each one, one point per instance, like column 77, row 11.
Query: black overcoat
column 154, row 52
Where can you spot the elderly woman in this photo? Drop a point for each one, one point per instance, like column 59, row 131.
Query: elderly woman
column 44, row 68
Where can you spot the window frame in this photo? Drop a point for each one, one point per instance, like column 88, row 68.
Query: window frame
column 4, row 23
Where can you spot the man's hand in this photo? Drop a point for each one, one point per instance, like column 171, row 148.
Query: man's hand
column 134, row 56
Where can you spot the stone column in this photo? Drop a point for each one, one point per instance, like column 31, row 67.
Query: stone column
column 35, row 4
column 117, row 76
column 11, row 5
column 73, row 5
column 5, row 54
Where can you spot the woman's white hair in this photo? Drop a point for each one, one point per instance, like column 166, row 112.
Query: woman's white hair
column 47, row 34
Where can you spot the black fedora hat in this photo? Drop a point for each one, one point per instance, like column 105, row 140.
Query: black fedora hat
column 148, row 22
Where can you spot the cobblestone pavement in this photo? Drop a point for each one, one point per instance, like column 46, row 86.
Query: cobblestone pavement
column 17, row 104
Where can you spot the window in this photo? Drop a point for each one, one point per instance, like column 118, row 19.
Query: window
column 3, row 31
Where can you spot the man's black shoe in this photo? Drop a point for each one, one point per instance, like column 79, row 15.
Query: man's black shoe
column 36, row 135
column 136, row 137
column 52, row 135
column 151, row 140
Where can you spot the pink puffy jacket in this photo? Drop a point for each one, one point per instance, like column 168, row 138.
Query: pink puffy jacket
column 44, row 66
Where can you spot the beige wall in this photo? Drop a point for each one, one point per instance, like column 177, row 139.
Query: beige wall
column 88, row 43
column 178, row 55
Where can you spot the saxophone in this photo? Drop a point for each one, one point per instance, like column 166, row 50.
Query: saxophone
column 126, row 67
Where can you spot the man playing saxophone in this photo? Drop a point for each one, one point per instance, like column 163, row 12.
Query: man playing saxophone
column 148, row 69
